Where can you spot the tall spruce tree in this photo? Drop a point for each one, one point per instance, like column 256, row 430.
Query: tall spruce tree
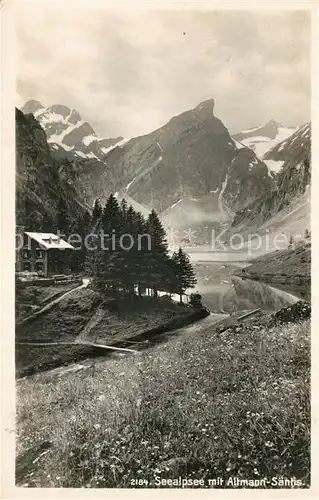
column 184, row 273
column 96, row 212
column 81, row 228
column 135, row 253
column 111, row 216
column 124, row 207
column 62, row 222
column 135, row 265
column 157, row 256
column 142, row 245
column 112, row 223
column 47, row 224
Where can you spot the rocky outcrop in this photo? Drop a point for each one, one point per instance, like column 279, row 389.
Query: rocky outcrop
column 263, row 138
column 189, row 157
column 291, row 182
column 68, row 135
column 42, row 182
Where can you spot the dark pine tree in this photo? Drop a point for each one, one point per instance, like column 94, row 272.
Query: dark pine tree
column 141, row 248
column 112, row 223
column 134, row 253
column 133, row 246
column 96, row 212
column 184, row 272
column 157, row 256
column 124, row 207
column 95, row 266
column 112, row 219
column 81, row 228
column 47, row 225
column 62, row 221
column 306, row 171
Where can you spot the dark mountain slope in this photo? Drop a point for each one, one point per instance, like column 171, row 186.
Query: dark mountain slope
column 43, row 183
column 292, row 180
column 188, row 157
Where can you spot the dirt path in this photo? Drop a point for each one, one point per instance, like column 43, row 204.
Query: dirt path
column 48, row 306
column 93, row 321
column 186, row 331
column 92, row 344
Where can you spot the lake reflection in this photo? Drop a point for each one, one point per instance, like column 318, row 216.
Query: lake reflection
column 224, row 292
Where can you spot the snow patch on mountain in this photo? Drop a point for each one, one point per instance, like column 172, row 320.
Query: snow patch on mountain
column 58, row 138
column 239, row 145
column 118, row 144
column 119, row 195
column 293, row 146
column 249, row 130
column 88, row 139
column 262, row 144
column 174, row 204
column 143, row 173
column 65, row 128
column 263, row 139
column 273, row 165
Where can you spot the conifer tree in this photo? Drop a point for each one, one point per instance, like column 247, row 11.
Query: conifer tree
column 184, row 272
column 97, row 212
column 135, row 254
column 81, row 228
column 112, row 223
column 62, row 221
column 157, row 255
column 124, row 207
column 111, row 216
column 47, row 225
column 95, row 267
column 142, row 247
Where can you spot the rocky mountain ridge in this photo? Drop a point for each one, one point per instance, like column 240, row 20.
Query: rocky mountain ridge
column 190, row 158
column 68, row 134
column 292, row 182
column 44, row 184
column 190, row 170
column 263, row 138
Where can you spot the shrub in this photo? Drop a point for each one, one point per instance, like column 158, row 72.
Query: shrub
column 195, row 300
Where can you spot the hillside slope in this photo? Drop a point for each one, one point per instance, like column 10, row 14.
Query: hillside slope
column 263, row 138
column 291, row 194
column 43, row 183
column 289, row 269
column 188, row 158
column 295, row 147
column 74, row 140
column 68, row 133
column 291, row 262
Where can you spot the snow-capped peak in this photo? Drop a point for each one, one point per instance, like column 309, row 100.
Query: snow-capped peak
column 67, row 132
column 263, row 139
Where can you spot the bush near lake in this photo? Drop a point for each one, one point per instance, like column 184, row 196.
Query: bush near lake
column 235, row 403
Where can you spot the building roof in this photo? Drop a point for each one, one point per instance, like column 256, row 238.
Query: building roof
column 49, row 240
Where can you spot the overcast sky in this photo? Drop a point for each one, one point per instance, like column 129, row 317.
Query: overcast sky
column 129, row 73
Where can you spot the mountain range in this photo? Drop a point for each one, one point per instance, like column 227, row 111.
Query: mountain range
column 265, row 137
column 191, row 170
column 287, row 206
column 67, row 133
column 45, row 185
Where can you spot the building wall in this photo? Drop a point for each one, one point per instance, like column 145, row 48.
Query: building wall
column 31, row 257
column 19, row 240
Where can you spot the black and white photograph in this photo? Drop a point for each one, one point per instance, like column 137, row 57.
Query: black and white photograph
column 162, row 247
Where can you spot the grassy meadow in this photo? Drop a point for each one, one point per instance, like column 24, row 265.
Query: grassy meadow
column 212, row 404
column 83, row 316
